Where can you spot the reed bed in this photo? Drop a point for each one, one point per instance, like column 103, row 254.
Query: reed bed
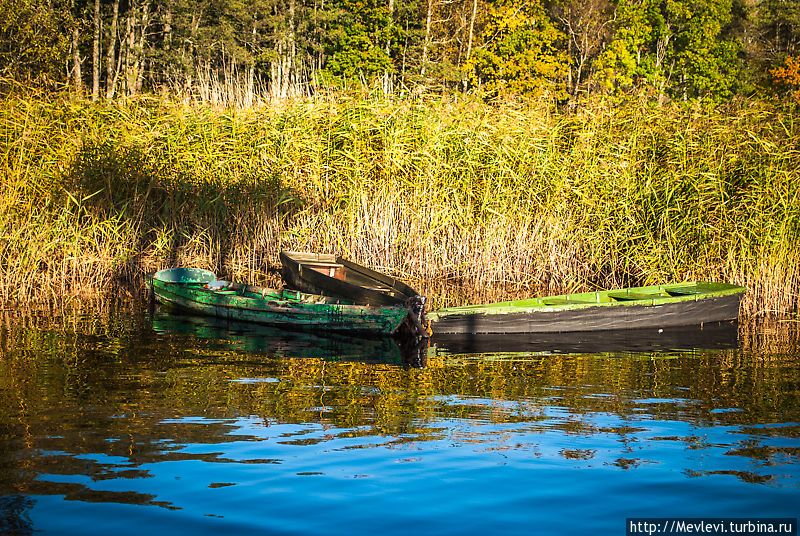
column 467, row 201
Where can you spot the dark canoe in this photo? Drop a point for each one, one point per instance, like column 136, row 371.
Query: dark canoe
column 330, row 275
column 188, row 289
column 659, row 306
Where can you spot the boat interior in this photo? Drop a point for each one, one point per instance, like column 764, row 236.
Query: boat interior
column 263, row 293
column 638, row 294
column 340, row 272
column 624, row 295
column 336, row 271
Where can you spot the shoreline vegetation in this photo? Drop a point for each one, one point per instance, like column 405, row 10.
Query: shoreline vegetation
column 467, row 201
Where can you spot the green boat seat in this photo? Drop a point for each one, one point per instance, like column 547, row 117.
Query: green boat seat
column 683, row 291
column 627, row 296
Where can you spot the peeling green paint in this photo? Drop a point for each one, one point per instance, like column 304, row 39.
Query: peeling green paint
column 285, row 308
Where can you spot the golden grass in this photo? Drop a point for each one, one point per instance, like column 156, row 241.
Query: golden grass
column 465, row 200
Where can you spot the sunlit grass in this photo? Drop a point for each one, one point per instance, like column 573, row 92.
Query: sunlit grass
column 465, row 200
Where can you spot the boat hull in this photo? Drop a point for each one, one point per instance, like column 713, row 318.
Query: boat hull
column 718, row 305
column 709, row 336
column 278, row 310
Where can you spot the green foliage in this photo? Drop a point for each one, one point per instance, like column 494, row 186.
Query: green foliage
column 630, row 59
column 358, row 39
column 704, row 57
column 523, row 52
column 677, row 46
column 34, row 39
column 779, row 22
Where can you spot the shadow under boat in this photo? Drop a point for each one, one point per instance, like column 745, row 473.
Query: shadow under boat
column 716, row 336
column 285, row 343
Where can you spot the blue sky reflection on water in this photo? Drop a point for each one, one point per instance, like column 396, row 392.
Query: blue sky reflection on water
column 119, row 429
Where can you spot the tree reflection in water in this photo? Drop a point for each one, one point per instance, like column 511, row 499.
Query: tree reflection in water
column 95, row 407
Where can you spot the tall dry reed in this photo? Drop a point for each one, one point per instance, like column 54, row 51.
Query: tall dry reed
column 467, row 201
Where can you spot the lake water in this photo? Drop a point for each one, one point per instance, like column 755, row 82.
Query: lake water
column 121, row 420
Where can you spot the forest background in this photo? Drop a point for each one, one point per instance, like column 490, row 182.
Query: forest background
column 677, row 49
column 479, row 149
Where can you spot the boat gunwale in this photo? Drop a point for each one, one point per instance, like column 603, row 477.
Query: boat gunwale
column 350, row 318
column 574, row 301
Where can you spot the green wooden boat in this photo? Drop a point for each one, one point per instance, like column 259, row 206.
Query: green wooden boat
column 658, row 306
column 199, row 291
